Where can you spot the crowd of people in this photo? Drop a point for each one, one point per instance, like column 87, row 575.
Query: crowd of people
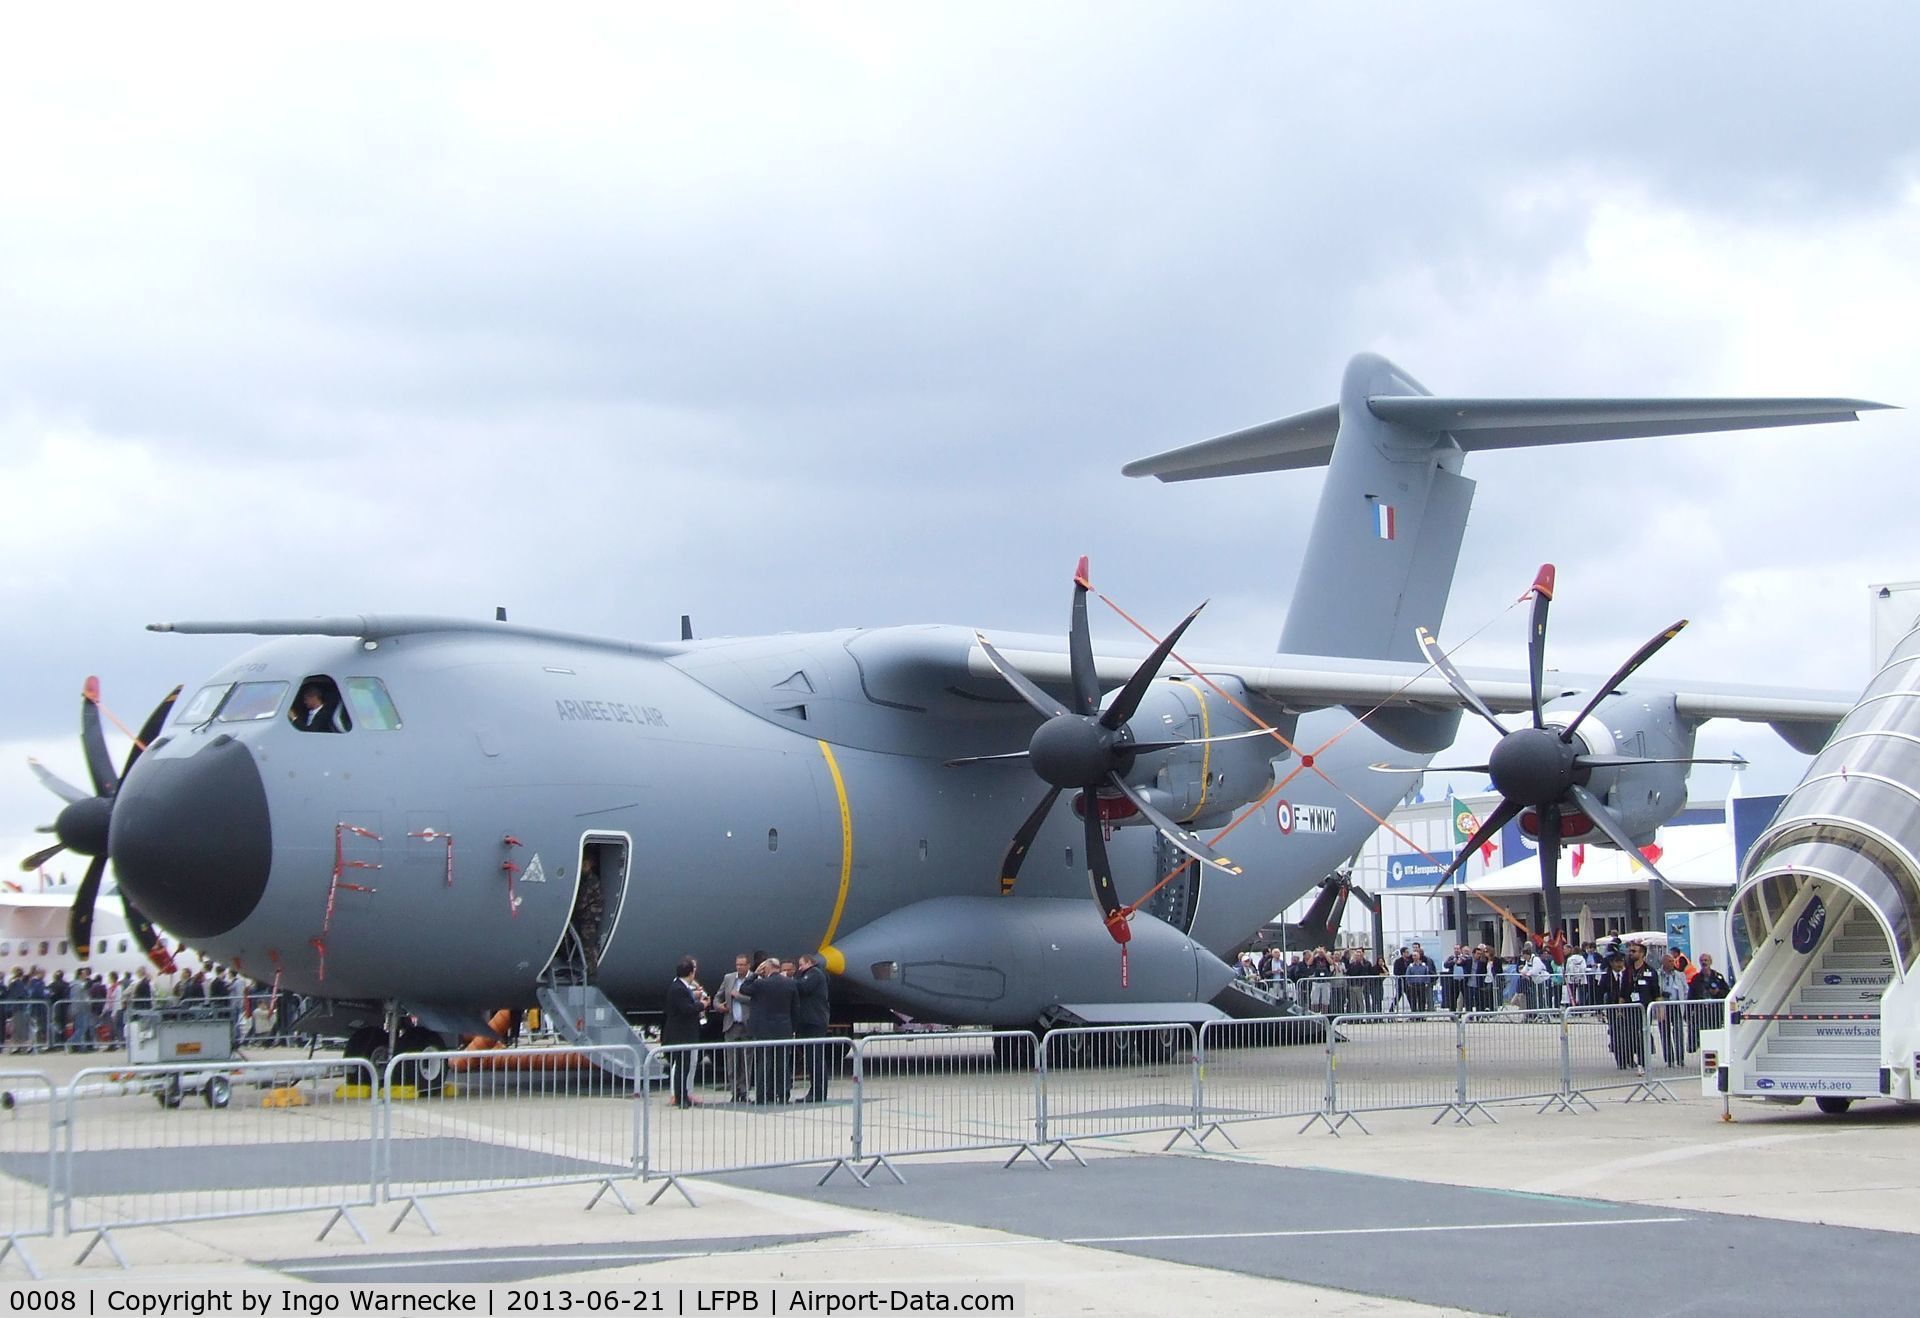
column 1543, row 976
column 761, row 999
column 88, row 1012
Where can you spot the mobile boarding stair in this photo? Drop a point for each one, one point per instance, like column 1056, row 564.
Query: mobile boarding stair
column 581, row 1014
column 1827, row 1002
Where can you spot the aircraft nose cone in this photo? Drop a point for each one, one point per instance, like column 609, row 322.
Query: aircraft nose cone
column 191, row 841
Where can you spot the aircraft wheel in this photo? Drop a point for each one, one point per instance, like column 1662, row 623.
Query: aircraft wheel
column 428, row 1074
column 1013, row 1052
column 1072, row 1049
column 1833, row 1107
column 1159, row 1047
column 369, row 1044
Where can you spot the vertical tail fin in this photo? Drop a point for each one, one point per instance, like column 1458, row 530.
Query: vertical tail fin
column 1386, row 535
column 1386, row 538
column 1381, row 554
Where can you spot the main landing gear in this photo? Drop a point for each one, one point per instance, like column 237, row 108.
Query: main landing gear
column 373, row 1044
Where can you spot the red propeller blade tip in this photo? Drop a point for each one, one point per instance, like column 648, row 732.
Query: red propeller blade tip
column 92, row 690
column 1543, row 584
column 1080, row 574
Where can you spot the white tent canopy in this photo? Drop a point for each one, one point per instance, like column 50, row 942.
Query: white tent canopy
column 1694, row 856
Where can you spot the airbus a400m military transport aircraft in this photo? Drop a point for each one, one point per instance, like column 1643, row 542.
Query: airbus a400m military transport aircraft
column 398, row 810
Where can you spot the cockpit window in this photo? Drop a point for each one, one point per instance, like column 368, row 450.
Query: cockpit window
column 372, row 707
column 318, row 707
column 205, row 701
column 252, row 701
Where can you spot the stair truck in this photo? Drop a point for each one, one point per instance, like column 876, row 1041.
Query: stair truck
column 1825, row 1002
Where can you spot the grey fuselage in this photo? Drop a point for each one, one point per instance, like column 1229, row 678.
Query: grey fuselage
column 776, row 793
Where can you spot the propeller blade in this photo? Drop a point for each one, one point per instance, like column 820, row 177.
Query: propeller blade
column 1621, row 674
column 141, row 926
column 1086, row 683
column 1595, row 809
column 1147, row 747
column 54, row 783
column 93, row 739
column 1175, row 834
column 1492, row 824
column 1438, row 658
column 1099, row 872
column 1019, row 681
column 1537, row 637
column 1431, row 768
column 1023, row 840
column 39, row 858
column 986, row 759
column 1625, row 761
column 1550, row 864
column 80, row 916
column 149, row 731
column 1135, row 690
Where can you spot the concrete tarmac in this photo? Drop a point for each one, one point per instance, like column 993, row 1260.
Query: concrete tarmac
column 1662, row 1208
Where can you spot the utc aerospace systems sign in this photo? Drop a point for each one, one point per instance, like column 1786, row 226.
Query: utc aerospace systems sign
column 1410, row 869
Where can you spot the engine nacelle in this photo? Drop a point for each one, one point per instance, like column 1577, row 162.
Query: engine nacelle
column 1642, row 796
column 1203, row 784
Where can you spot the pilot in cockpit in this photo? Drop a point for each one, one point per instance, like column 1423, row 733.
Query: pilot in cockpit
column 313, row 712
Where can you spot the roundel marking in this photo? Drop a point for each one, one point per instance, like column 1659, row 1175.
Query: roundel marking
column 1283, row 816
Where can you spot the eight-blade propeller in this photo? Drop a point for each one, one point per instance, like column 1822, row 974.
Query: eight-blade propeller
column 1091, row 750
column 83, row 822
column 1542, row 768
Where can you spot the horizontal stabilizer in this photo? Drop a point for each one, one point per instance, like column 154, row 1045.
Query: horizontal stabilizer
column 1479, row 424
column 1290, row 444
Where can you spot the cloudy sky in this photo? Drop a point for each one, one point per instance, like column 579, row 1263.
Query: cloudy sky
column 793, row 318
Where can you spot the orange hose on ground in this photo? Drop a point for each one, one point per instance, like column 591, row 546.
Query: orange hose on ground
column 506, row 1059
column 498, row 1024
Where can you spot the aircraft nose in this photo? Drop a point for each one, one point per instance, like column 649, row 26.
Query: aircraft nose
column 191, row 840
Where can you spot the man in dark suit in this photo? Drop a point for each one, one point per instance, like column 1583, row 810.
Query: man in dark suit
column 772, row 995
column 686, row 1005
column 1614, row 995
column 810, row 1014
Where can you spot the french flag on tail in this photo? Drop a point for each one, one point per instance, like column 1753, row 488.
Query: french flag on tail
column 1383, row 520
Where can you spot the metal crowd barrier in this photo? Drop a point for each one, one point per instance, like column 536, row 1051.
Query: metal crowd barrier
column 1379, row 1063
column 906, row 1108
column 779, row 1124
column 1511, row 1057
column 247, row 1138
column 1258, row 1070
column 464, row 1122
column 1673, row 1038
column 28, row 1168
column 242, row 1139
column 1107, row 1080
column 29, row 1026
column 1607, row 1048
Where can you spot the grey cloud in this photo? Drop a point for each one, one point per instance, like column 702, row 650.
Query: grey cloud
column 801, row 335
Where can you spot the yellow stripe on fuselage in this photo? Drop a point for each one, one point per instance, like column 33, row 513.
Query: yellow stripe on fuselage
column 1206, row 747
column 830, row 955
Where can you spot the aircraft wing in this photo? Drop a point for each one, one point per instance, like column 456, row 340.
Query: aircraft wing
column 1299, row 683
